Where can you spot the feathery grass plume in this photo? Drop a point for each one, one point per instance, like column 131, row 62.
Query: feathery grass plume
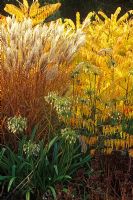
column 78, row 21
column 42, row 46
column 35, row 12
column 36, row 60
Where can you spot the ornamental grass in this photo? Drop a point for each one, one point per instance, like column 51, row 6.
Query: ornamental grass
column 35, row 60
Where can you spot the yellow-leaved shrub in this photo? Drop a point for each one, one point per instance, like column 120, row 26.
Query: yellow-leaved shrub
column 102, row 82
column 36, row 13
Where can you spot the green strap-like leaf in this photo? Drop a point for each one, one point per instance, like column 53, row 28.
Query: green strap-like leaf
column 10, row 183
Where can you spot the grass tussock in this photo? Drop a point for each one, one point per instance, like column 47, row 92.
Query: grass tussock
column 35, row 60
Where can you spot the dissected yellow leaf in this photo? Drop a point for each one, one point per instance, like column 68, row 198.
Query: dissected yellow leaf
column 69, row 22
column 38, row 19
column 78, row 22
column 123, row 18
column 25, row 3
column 34, row 9
column 34, row 12
column 103, row 14
column 13, row 10
column 24, row 9
column 117, row 12
column 47, row 10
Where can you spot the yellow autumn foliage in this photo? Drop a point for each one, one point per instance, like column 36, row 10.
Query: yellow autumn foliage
column 102, row 83
column 35, row 12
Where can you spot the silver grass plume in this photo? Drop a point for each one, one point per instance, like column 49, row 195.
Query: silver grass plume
column 26, row 47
